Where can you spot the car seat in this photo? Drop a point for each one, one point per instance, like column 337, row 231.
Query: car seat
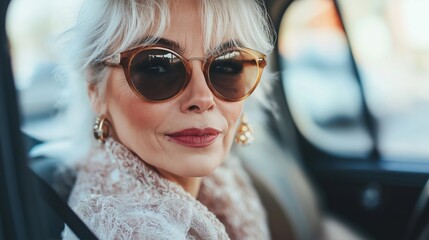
column 292, row 202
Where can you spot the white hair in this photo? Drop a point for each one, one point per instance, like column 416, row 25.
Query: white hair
column 106, row 27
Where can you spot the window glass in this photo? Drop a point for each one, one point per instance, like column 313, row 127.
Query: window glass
column 33, row 27
column 322, row 92
column 389, row 39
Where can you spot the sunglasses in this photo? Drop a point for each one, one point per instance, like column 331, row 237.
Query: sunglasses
column 158, row 74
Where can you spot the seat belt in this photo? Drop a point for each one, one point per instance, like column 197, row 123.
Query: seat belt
column 62, row 209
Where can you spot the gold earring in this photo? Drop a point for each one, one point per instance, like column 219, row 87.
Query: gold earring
column 244, row 134
column 101, row 129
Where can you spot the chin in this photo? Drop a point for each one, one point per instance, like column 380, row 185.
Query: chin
column 200, row 167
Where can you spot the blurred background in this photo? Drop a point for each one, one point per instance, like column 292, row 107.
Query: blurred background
column 33, row 28
column 390, row 44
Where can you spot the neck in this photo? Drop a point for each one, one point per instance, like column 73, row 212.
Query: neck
column 190, row 184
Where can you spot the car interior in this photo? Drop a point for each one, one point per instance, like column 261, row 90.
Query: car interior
column 340, row 123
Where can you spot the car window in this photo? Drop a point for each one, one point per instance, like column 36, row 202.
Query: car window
column 33, row 28
column 327, row 101
column 390, row 41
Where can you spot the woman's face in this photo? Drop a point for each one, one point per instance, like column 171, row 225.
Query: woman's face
column 165, row 135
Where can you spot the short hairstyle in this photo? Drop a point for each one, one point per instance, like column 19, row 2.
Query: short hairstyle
column 106, row 27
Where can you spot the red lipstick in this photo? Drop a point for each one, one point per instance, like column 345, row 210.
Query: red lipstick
column 194, row 137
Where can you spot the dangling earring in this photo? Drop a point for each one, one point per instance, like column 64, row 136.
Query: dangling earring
column 101, row 129
column 244, row 134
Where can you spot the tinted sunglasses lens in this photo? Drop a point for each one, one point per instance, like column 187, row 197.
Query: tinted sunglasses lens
column 234, row 74
column 157, row 74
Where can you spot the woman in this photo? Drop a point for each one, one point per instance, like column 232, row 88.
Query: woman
column 167, row 80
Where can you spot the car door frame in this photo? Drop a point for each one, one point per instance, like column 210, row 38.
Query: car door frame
column 19, row 202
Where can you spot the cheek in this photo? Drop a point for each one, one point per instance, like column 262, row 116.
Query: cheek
column 129, row 114
column 232, row 112
column 134, row 115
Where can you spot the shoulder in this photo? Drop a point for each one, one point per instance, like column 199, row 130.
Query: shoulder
column 230, row 195
column 230, row 174
column 124, row 217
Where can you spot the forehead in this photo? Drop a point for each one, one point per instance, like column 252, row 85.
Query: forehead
column 185, row 26
column 183, row 12
column 185, row 33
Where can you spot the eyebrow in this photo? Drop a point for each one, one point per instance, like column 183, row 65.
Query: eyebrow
column 170, row 44
column 226, row 46
column 163, row 42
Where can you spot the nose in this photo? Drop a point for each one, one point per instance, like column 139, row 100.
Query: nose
column 197, row 96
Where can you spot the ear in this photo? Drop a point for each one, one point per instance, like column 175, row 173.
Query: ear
column 98, row 104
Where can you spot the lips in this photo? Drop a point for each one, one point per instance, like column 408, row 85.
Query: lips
column 194, row 137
